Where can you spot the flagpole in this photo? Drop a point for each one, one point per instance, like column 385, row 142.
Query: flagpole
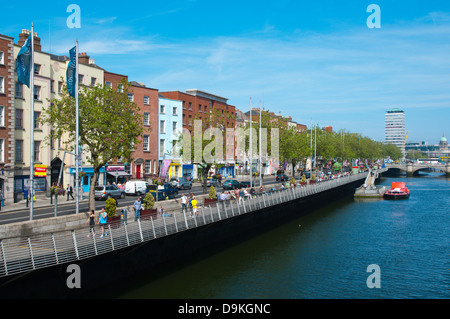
column 31, row 191
column 250, row 145
column 260, row 139
column 77, row 149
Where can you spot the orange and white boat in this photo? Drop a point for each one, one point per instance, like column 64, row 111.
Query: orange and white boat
column 398, row 190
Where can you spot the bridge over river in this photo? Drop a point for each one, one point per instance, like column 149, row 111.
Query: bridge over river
column 414, row 168
column 42, row 258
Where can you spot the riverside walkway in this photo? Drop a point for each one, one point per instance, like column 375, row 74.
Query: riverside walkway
column 25, row 254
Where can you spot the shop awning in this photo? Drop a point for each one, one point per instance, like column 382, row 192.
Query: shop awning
column 119, row 173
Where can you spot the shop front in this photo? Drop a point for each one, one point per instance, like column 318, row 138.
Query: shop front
column 86, row 175
column 116, row 174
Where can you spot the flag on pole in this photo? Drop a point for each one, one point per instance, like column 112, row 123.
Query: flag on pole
column 23, row 63
column 71, row 73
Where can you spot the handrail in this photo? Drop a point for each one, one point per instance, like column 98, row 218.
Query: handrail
column 18, row 255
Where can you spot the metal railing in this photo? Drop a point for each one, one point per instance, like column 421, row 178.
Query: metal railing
column 18, row 255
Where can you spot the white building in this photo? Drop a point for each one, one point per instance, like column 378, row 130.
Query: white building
column 394, row 131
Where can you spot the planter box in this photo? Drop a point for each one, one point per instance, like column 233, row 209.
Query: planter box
column 312, row 182
column 147, row 213
column 303, row 183
column 114, row 221
column 209, row 202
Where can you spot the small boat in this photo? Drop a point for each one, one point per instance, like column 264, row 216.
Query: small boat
column 398, row 190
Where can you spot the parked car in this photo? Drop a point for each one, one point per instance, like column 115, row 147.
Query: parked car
column 168, row 192
column 212, row 182
column 108, row 191
column 282, row 178
column 136, row 188
column 180, row 183
column 246, row 184
column 230, row 184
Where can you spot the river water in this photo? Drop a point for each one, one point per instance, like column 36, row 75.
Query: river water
column 326, row 254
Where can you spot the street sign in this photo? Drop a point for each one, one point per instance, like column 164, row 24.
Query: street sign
column 40, row 170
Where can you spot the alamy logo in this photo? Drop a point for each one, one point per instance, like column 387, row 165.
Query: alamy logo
column 74, row 279
column 374, row 280
column 74, row 20
column 374, row 20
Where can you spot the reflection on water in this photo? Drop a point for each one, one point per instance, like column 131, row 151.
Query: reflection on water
column 326, row 253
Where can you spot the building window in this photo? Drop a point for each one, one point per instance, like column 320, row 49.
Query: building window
column 148, row 166
column 37, row 92
column 2, row 115
column 19, row 89
column 175, row 111
column 146, row 100
column 146, row 143
column 37, row 68
column 80, row 78
column 2, row 150
column 190, row 106
column 93, row 81
column 174, row 127
column 162, row 109
column 2, row 85
column 37, row 152
column 108, row 84
column 146, row 118
column 2, row 57
column 36, row 120
column 52, row 86
column 19, row 151
column 19, row 118
column 161, row 147
column 60, row 84
column 162, row 126
column 130, row 96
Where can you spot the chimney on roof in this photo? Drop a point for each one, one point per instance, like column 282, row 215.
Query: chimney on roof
column 84, row 58
column 23, row 36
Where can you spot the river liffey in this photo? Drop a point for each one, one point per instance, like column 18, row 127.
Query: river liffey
column 326, row 254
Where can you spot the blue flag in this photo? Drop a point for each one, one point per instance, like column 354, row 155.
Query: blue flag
column 71, row 73
column 23, row 63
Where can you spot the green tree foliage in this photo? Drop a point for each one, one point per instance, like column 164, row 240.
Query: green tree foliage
column 109, row 125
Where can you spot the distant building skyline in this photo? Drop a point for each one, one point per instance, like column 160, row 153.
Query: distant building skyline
column 394, row 131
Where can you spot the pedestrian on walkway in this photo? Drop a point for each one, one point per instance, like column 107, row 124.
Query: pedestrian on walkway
column 241, row 196
column 194, row 206
column 223, row 198
column 103, row 218
column 69, row 191
column 92, row 221
column 137, row 209
column 183, row 203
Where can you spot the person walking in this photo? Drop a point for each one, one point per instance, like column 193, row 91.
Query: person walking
column 183, row 203
column 92, row 220
column 194, row 206
column 241, row 196
column 137, row 209
column 69, row 191
column 103, row 218
column 223, row 198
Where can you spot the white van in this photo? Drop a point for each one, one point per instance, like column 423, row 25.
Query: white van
column 136, row 187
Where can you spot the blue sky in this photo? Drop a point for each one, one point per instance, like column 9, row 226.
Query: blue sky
column 315, row 61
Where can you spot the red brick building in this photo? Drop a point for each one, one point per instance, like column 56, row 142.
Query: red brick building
column 7, row 117
column 145, row 156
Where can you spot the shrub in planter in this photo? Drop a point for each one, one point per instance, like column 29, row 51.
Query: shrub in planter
column 293, row 181
column 313, row 179
column 147, row 207
column 303, row 182
column 110, row 207
column 212, row 197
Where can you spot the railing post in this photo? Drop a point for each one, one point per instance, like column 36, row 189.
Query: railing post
column 203, row 213
column 111, row 235
column 93, row 238
column 31, row 252
column 185, row 220
column 165, row 226
column 153, row 226
column 218, row 211
column 75, row 244
column 140, row 229
column 126, row 233
column 4, row 257
column 239, row 208
column 210, row 211
column 54, row 248
column 175, row 219
column 232, row 210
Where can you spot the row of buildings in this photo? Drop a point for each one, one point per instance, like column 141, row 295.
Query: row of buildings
column 167, row 113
